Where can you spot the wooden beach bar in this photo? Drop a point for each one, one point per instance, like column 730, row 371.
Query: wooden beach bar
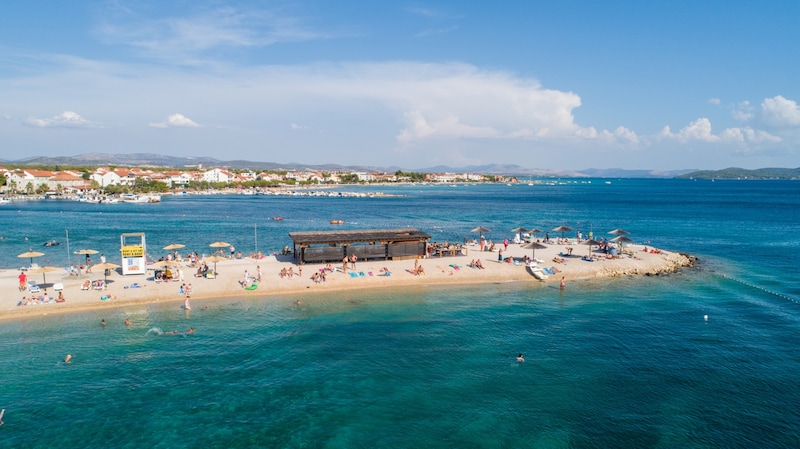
column 383, row 244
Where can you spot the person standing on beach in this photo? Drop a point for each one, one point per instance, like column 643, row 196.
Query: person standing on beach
column 233, row 251
column 353, row 259
column 563, row 282
column 344, row 264
column 505, row 244
column 23, row 281
column 258, row 273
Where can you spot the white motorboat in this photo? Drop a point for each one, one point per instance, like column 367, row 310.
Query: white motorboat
column 537, row 271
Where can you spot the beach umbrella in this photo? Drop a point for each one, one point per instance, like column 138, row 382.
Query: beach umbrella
column 220, row 245
column 562, row 230
column 590, row 243
column 520, row 229
column 31, row 254
column 534, row 246
column 622, row 239
column 86, row 252
column 173, row 246
column 163, row 264
column 215, row 259
column 106, row 266
column 481, row 229
column 44, row 270
column 619, row 232
column 534, row 231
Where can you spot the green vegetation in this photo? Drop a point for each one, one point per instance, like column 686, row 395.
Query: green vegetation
column 741, row 173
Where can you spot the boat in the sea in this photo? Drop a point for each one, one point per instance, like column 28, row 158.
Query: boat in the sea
column 537, row 271
column 337, row 222
column 133, row 198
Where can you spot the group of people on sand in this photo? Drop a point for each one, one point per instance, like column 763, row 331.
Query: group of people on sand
column 476, row 263
column 319, row 276
column 351, row 260
column 41, row 299
column 287, row 273
column 418, row 270
column 202, row 271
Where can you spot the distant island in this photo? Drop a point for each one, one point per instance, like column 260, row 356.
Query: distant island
column 741, row 173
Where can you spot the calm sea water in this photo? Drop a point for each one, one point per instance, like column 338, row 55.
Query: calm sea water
column 609, row 363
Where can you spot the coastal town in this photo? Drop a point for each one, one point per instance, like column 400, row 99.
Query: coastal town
column 92, row 181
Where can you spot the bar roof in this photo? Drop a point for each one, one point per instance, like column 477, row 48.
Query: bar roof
column 364, row 235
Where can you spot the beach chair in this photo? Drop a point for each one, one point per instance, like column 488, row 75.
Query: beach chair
column 33, row 287
column 58, row 287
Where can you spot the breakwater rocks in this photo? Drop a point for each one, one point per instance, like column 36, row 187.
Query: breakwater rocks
column 672, row 262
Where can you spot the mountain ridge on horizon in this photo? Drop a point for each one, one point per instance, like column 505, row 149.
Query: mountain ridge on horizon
column 166, row 161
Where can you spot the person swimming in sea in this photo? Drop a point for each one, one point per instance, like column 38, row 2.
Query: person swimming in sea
column 520, row 358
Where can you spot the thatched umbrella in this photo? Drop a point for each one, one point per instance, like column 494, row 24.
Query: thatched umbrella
column 31, row 254
column 44, row 270
column 619, row 232
column 86, row 252
column 215, row 259
column 173, row 246
column 534, row 246
column 562, row 230
column 105, row 267
column 590, row 243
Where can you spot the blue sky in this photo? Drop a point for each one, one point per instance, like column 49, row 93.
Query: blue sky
column 542, row 84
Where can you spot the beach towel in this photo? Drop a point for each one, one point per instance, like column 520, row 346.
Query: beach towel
column 362, row 274
column 251, row 287
column 353, row 274
column 455, row 267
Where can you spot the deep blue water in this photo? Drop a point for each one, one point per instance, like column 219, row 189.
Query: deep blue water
column 627, row 362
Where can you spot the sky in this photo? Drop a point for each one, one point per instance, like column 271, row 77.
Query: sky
column 557, row 84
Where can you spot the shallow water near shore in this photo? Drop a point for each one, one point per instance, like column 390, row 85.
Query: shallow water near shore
column 624, row 362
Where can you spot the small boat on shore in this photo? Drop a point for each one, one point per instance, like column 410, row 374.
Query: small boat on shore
column 537, row 271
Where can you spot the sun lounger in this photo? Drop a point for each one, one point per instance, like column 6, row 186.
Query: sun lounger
column 33, row 287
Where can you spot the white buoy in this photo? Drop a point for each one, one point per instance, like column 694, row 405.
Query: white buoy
column 705, row 317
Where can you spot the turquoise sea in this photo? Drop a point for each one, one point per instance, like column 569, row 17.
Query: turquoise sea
column 623, row 363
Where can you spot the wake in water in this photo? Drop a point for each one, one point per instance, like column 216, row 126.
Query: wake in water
column 158, row 331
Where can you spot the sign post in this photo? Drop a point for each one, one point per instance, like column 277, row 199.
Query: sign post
column 132, row 247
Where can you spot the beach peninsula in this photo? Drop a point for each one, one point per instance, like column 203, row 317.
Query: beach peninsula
column 565, row 262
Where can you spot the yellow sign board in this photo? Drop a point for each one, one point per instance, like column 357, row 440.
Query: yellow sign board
column 132, row 251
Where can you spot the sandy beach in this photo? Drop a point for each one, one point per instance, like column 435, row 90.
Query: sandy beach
column 123, row 291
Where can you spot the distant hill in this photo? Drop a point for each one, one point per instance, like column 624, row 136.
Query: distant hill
column 623, row 173
column 742, row 173
column 167, row 161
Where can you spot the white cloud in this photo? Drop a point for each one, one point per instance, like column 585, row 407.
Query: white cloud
column 714, row 101
column 175, row 121
column 748, row 135
column 780, row 112
column 742, row 112
column 699, row 130
column 626, row 135
column 182, row 39
column 66, row 119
